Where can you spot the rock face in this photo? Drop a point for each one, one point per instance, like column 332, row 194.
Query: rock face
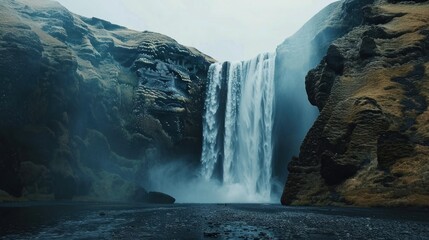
column 369, row 146
column 295, row 57
column 158, row 198
column 84, row 103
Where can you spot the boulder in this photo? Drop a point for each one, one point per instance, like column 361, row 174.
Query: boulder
column 142, row 196
column 159, row 198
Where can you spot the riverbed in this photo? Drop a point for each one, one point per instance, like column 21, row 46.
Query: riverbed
column 72, row 220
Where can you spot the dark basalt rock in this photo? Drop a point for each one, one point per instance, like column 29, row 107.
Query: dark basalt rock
column 376, row 32
column 158, row 198
column 142, row 196
column 374, row 15
column 335, row 171
column 85, row 102
column 392, row 146
column 319, row 81
column 368, row 48
column 334, row 59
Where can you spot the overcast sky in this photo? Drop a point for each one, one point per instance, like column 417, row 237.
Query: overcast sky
column 224, row 29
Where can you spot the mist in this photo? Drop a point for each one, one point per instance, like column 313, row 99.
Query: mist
column 187, row 185
column 114, row 99
column 294, row 114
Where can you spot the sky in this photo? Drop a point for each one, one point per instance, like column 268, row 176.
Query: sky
column 230, row 30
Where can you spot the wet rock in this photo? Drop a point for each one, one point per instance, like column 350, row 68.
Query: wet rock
column 211, row 234
column 158, row 198
column 143, row 196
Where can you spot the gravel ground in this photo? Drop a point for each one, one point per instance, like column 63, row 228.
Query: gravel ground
column 204, row 221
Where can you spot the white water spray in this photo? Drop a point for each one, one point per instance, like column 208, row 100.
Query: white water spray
column 238, row 131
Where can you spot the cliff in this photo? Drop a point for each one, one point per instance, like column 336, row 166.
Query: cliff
column 369, row 145
column 85, row 104
column 298, row 54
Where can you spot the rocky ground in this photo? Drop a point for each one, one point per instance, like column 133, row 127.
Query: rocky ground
column 369, row 146
column 184, row 221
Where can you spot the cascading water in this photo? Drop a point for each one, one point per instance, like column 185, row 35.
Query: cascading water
column 238, row 124
column 210, row 129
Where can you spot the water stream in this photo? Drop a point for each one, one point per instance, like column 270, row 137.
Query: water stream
column 238, row 123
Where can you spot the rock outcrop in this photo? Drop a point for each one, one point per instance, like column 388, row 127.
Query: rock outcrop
column 295, row 57
column 85, row 104
column 369, row 146
column 142, row 196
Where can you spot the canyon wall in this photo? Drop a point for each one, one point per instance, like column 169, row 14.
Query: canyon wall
column 86, row 106
column 298, row 54
column 369, row 145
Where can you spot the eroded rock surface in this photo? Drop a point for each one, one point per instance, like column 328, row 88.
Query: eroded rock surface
column 369, row 146
column 84, row 103
column 297, row 55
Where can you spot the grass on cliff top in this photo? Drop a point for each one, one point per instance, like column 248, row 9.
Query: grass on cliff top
column 416, row 16
column 378, row 85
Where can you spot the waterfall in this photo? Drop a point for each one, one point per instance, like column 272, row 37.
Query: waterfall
column 238, row 124
column 210, row 128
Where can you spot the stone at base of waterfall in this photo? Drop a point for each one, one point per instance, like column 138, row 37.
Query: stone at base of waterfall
column 159, row 198
column 141, row 195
